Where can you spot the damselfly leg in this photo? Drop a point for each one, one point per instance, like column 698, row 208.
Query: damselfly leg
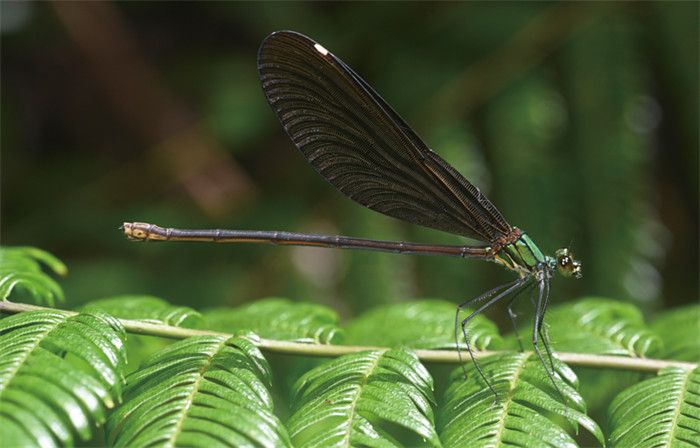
column 512, row 315
column 543, row 286
column 493, row 296
column 542, row 330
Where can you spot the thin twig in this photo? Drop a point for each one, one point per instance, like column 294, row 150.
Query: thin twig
column 327, row 350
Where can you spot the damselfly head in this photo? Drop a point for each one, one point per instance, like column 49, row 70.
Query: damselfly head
column 567, row 265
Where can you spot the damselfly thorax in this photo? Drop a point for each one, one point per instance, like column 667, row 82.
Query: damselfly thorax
column 520, row 254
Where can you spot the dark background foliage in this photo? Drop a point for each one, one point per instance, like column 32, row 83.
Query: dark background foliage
column 579, row 120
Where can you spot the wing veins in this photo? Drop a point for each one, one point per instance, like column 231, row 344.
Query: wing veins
column 359, row 144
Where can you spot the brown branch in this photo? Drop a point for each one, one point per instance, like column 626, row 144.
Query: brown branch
column 136, row 91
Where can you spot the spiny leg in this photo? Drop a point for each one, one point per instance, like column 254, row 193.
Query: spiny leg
column 544, row 337
column 462, row 305
column 503, row 293
column 536, row 330
column 542, row 330
column 512, row 315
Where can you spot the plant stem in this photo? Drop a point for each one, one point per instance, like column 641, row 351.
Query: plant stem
column 327, row 350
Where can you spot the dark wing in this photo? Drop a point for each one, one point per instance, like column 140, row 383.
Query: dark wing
column 362, row 147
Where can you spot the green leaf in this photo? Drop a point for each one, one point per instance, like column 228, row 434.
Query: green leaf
column 25, row 257
column 58, row 375
column 427, row 324
column 147, row 308
column 679, row 329
column 358, row 399
column 196, row 392
column 661, row 411
column 530, row 411
column 20, row 269
column 276, row 318
column 150, row 309
column 600, row 326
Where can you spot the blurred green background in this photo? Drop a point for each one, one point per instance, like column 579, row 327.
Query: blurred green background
column 579, row 120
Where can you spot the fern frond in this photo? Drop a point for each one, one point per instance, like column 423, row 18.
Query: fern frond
column 20, row 269
column 427, row 324
column 58, row 374
column 276, row 318
column 28, row 258
column 149, row 309
column 357, row 399
column 530, row 411
column 661, row 411
column 601, row 326
column 146, row 308
column 199, row 391
column 679, row 329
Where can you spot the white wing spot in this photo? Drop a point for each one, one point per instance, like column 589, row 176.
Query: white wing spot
column 320, row 49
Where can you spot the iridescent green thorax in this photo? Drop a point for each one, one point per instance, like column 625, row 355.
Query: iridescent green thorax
column 521, row 256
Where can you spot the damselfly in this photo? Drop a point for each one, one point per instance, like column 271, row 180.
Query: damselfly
column 356, row 141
